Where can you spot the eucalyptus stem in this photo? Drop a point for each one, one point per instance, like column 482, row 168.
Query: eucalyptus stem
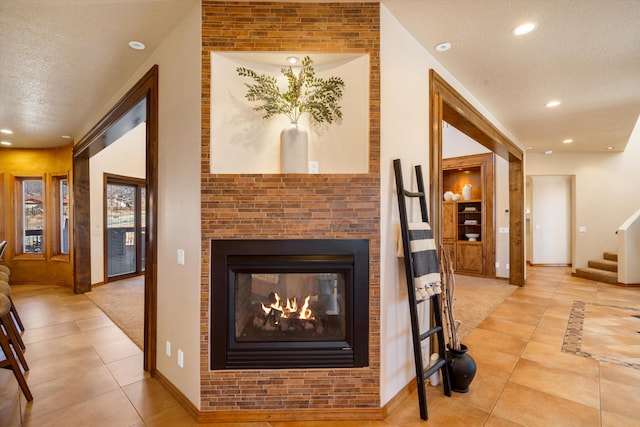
column 306, row 93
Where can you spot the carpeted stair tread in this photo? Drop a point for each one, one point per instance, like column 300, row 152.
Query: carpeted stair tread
column 610, row 256
column 597, row 275
column 603, row 264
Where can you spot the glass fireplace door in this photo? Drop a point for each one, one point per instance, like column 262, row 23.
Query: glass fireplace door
column 289, row 307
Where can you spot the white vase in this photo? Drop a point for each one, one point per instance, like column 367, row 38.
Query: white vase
column 466, row 192
column 294, row 148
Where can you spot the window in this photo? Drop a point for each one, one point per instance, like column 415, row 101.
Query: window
column 30, row 218
column 60, row 233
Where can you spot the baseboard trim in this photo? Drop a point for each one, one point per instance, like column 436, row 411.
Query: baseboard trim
column 353, row 414
column 549, row 265
column 183, row 400
column 284, row 415
column 399, row 398
column 628, row 285
column 38, row 283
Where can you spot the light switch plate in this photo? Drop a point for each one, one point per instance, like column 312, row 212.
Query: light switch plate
column 180, row 358
column 181, row 256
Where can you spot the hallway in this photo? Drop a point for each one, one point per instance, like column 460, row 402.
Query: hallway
column 85, row 371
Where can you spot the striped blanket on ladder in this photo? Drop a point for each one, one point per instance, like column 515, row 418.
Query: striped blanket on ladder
column 426, row 268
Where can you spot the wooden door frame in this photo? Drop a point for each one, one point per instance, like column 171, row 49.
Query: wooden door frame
column 447, row 104
column 123, row 117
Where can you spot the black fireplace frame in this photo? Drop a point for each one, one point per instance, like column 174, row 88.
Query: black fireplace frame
column 232, row 256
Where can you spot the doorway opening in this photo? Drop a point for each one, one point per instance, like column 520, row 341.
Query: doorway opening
column 138, row 105
column 447, row 105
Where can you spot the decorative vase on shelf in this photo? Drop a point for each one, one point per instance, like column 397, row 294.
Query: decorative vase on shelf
column 294, row 148
column 306, row 94
column 466, row 192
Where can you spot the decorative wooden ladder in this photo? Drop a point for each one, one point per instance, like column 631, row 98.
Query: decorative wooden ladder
column 441, row 364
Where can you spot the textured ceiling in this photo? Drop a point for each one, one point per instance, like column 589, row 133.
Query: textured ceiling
column 62, row 60
column 585, row 53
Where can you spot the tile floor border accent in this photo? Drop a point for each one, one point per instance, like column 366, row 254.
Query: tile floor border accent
column 575, row 329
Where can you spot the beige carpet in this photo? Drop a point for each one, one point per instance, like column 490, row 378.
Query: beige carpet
column 476, row 298
column 123, row 302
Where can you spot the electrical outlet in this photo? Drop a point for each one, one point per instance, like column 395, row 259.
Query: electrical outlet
column 314, row 167
column 180, row 358
column 506, row 266
column 497, row 265
column 167, row 348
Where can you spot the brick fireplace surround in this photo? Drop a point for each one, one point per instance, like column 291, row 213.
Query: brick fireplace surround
column 250, row 206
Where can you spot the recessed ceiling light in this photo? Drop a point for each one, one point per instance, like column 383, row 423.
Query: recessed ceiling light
column 5, row 143
column 553, row 103
column 567, row 141
column 134, row 44
column 292, row 60
column 66, row 137
column 6, row 131
column 443, row 47
column 548, row 152
column 611, row 148
column 528, row 148
column 524, row 28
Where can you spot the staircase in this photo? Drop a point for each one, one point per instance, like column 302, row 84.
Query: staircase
column 601, row 270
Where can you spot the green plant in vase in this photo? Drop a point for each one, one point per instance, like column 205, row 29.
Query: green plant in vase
column 305, row 93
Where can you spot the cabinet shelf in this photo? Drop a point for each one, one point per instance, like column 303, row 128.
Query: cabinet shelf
column 475, row 257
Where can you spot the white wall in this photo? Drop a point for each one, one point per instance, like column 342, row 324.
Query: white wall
column 405, row 135
column 606, row 193
column 126, row 157
column 179, row 203
column 180, row 77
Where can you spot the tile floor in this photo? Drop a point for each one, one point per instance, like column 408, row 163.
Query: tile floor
column 85, row 371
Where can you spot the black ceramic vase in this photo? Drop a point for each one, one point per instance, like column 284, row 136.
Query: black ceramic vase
column 462, row 369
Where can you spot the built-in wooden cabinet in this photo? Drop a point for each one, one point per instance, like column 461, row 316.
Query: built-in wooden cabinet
column 468, row 224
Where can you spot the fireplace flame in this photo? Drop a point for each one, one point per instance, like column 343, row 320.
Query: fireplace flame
column 290, row 310
column 305, row 311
